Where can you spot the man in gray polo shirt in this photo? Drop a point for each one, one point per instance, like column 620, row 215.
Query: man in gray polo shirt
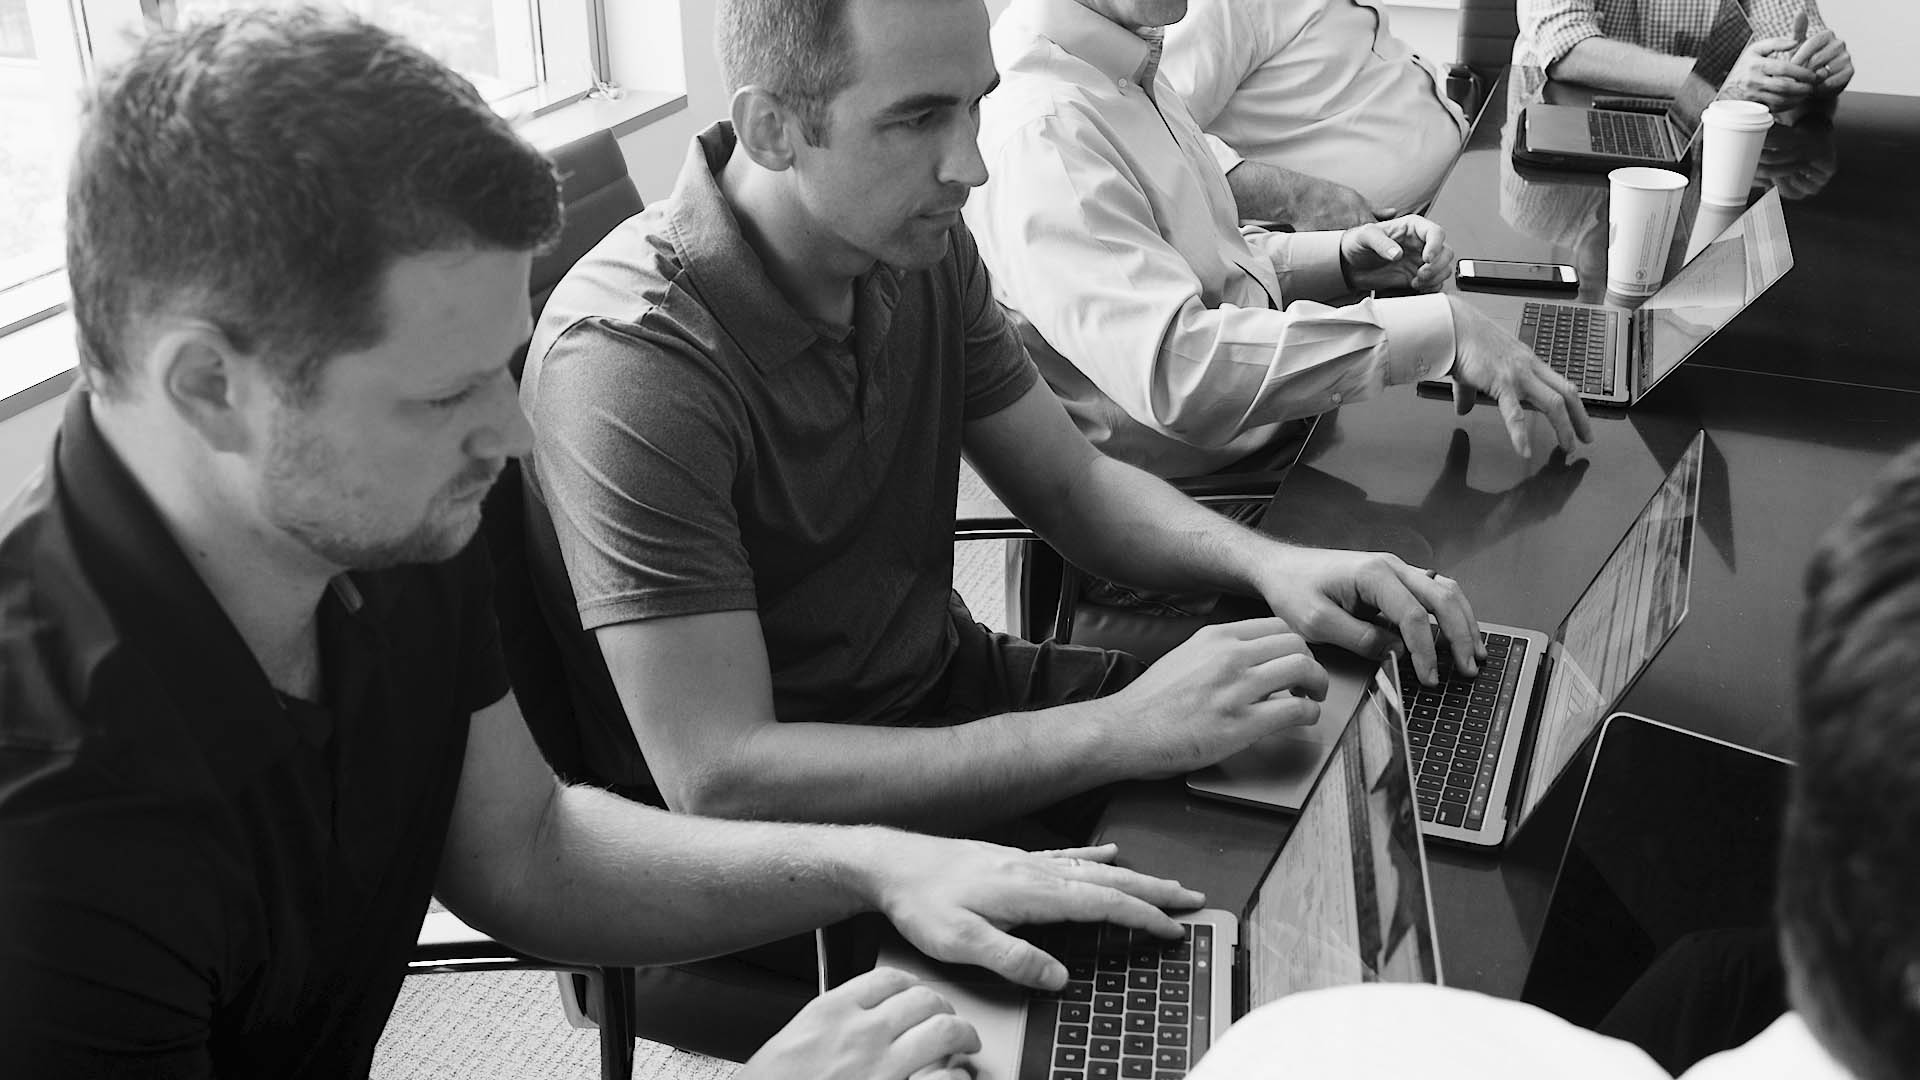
column 750, row 403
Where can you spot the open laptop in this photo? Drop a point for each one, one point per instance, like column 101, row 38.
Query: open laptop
column 1345, row 900
column 1615, row 357
column 1486, row 749
column 1667, row 872
column 1582, row 137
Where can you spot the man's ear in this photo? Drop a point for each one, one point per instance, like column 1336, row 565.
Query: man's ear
column 206, row 381
column 765, row 128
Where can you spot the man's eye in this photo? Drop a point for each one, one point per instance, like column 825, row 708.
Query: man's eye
column 450, row 400
column 918, row 121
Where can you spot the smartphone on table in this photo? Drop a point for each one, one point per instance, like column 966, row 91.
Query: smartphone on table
column 1517, row 275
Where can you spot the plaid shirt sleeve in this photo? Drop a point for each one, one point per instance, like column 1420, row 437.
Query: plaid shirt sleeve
column 1551, row 28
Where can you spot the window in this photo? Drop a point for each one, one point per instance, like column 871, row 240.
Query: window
column 526, row 56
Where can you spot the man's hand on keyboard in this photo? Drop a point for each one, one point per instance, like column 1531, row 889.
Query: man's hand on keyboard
column 955, row 899
column 1329, row 595
column 1489, row 359
column 883, row 1025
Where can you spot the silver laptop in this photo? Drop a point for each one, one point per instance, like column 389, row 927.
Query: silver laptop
column 1487, row 748
column 1614, row 356
column 1583, row 137
column 1345, row 900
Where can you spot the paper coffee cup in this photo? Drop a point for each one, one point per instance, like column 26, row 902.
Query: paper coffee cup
column 1732, row 134
column 1643, row 206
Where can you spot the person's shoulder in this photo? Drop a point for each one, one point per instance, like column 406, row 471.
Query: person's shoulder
column 628, row 275
column 55, row 629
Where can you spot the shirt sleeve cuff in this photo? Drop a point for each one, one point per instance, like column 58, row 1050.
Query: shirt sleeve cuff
column 1307, row 264
column 1419, row 337
column 1226, row 155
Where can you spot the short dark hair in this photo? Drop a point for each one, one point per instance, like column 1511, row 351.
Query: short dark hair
column 1850, row 870
column 265, row 168
column 801, row 51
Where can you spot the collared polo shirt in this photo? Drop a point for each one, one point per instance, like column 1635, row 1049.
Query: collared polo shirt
column 1177, row 341
column 199, row 878
column 701, row 446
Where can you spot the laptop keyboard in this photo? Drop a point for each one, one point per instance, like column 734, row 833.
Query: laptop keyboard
column 1134, row 1005
column 1577, row 342
column 1454, row 730
column 1626, row 134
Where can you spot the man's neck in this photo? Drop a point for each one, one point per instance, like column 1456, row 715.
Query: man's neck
column 809, row 268
column 267, row 585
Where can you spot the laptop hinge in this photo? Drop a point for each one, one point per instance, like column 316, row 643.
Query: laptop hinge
column 1642, row 354
column 1241, row 991
column 1523, row 761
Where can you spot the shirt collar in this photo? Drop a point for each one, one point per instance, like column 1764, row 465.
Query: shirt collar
column 1114, row 50
column 159, row 601
column 731, row 279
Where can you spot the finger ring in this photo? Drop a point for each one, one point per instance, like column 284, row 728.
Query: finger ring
column 1434, row 574
column 1821, row 71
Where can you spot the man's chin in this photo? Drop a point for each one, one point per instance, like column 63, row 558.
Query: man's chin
column 922, row 251
column 449, row 536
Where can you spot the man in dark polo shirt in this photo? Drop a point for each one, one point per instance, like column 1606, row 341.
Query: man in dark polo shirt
column 750, row 403
column 251, row 703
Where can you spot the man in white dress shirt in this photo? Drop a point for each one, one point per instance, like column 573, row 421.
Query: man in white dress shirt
column 1848, row 876
column 1319, row 116
column 1177, row 343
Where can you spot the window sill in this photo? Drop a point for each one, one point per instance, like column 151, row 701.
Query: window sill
column 38, row 356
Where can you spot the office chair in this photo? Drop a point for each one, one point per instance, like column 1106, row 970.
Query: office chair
column 1487, row 32
column 721, row 1007
column 597, row 194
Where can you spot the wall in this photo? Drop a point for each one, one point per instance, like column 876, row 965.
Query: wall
column 655, row 152
column 1881, row 35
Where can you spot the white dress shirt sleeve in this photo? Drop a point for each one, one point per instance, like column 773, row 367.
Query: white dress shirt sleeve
column 1071, row 238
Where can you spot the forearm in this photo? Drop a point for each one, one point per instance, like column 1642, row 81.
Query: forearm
column 1619, row 65
column 1263, row 192
column 952, row 779
column 1123, row 523
column 607, row 880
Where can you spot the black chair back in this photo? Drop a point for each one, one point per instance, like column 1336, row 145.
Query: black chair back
column 597, row 194
column 1487, row 31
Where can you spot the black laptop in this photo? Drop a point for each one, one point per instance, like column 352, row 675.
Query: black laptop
column 1661, row 929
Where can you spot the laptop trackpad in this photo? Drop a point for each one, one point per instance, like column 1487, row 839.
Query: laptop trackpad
column 1278, row 771
column 996, row 1009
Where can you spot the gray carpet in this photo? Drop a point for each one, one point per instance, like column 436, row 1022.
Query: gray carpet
column 507, row 1025
column 498, row 1025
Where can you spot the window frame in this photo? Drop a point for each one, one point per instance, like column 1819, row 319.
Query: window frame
column 576, row 26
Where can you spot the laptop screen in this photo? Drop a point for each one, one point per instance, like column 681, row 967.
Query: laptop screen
column 1725, row 42
column 1618, row 624
column 1666, row 885
column 1716, row 285
column 1346, row 899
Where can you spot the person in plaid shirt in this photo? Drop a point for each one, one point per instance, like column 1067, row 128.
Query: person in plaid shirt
column 1648, row 46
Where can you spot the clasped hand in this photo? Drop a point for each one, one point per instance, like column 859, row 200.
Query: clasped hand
column 1405, row 253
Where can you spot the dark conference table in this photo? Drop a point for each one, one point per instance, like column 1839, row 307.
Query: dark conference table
column 1803, row 398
